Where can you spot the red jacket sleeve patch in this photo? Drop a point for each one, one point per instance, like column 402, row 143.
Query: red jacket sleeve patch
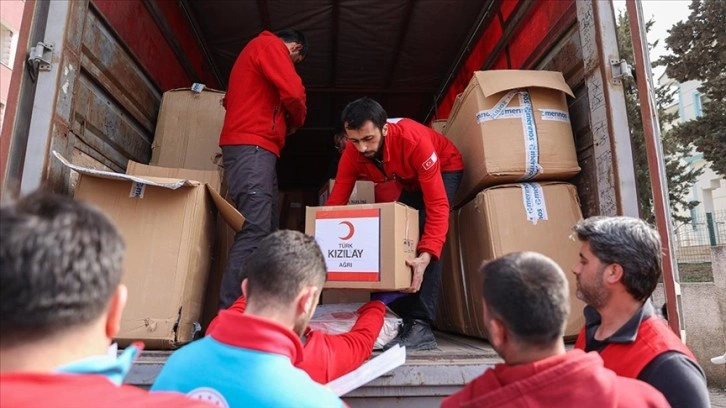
column 429, row 163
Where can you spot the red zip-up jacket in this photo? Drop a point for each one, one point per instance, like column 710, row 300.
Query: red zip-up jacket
column 329, row 356
column 574, row 379
column 414, row 155
column 265, row 96
column 53, row 390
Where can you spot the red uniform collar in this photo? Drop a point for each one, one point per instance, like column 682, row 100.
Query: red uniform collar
column 256, row 333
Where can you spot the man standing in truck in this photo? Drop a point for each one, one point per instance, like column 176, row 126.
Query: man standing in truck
column 265, row 103
column 429, row 169
column 619, row 268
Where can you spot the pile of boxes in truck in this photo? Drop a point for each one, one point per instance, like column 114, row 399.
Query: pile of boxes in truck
column 513, row 131
column 510, row 126
column 176, row 242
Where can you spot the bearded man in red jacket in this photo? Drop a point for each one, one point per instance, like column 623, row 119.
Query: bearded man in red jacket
column 526, row 304
column 619, row 268
column 265, row 103
column 428, row 167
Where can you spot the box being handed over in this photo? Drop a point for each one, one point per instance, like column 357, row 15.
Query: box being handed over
column 365, row 246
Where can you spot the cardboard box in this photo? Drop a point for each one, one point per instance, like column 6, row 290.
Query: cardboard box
column 188, row 128
column 512, row 126
column 454, row 306
column 335, row 296
column 366, row 245
column 521, row 217
column 168, row 227
column 223, row 233
column 439, row 125
column 363, row 192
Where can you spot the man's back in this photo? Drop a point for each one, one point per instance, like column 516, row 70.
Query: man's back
column 251, row 370
column 28, row 390
column 573, row 379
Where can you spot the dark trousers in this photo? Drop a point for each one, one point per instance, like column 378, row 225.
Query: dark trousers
column 422, row 304
column 252, row 185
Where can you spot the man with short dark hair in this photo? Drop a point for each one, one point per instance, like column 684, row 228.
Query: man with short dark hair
column 265, row 103
column 619, row 268
column 526, row 304
column 248, row 359
column 428, row 167
column 60, row 305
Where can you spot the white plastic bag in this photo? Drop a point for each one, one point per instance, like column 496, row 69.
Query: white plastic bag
column 340, row 318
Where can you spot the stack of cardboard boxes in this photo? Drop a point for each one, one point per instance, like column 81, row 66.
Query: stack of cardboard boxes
column 176, row 224
column 513, row 131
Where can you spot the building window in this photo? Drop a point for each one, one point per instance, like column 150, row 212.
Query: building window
column 8, row 42
column 697, row 104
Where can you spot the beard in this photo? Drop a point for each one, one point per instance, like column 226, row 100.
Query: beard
column 595, row 295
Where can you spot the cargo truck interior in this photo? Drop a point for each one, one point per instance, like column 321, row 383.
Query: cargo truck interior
column 414, row 57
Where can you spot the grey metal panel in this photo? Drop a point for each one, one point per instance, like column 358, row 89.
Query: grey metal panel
column 612, row 155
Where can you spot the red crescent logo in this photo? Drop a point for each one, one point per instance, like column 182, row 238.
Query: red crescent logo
column 351, row 230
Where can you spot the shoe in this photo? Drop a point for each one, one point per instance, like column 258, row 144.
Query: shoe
column 414, row 335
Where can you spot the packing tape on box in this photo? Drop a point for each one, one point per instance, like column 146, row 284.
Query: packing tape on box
column 555, row 115
column 534, row 202
column 525, row 111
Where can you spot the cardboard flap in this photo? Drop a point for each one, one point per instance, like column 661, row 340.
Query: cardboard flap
column 170, row 183
column 206, row 89
column 230, row 214
column 495, row 81
column 209, row 177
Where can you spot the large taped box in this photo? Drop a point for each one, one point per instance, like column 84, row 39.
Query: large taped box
column 454, row 307
column 363, row 192
column 188, row 128
column 511, row 126
column 366, row 245
column 168, row 226
column 520, row 217
column 340, row 317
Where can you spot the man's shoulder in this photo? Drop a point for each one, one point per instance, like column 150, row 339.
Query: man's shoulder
column 61, row 390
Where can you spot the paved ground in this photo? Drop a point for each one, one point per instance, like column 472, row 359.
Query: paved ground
column 718, row 398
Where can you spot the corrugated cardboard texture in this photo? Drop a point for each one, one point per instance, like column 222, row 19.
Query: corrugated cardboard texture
column 439, row 125
column 212, row 178
column 496, row 224
column 223, row 233
column 398, row 240
column 494, row 151
column 187, row 130
column 334, row 296
column 454, row 308
column 363, row 193
column 168, row 235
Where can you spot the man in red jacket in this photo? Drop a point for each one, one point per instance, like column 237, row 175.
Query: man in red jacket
column 60, row 305
column 429, row 169
column 329, row 356
column 526, row 304
column 265, row 103
column 619, row 267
